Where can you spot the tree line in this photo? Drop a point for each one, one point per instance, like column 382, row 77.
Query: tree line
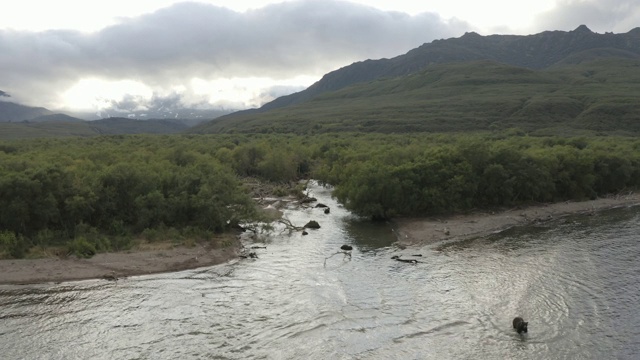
column 460, row 173
column 87, row 195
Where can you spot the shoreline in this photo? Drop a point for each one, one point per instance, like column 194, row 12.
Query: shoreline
column 409, row 232
column 429, row 230
column 112, row 266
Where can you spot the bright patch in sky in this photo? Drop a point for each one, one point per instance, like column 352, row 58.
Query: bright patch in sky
column 99, row 94
column 244, row 92
column 94, row 93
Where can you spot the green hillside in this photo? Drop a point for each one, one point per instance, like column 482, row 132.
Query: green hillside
column 587, row 97
column 536, row 51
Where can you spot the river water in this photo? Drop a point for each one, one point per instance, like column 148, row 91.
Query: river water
column 576, row 281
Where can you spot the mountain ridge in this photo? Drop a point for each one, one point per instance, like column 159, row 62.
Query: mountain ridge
column 591, row 97
column 535, row 51
column 12, row 112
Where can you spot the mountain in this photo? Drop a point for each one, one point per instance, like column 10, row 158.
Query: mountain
column 590, row 97
column 169, row 108
column 536, row 52
column 110, row 126
column 118, row 126
column 158, row 111
column 10, row 112
column 55, row 118
column 20, row 121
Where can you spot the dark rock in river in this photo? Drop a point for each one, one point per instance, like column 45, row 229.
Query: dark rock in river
column 312, row 225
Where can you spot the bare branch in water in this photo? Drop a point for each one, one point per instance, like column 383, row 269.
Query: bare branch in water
column 346, row 253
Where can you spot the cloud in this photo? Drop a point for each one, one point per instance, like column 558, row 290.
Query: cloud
column 618, row 16
column 172, row 46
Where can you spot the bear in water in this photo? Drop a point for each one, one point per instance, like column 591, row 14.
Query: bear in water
column 520, row 325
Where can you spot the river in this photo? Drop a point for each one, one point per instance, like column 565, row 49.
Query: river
column 574, row 280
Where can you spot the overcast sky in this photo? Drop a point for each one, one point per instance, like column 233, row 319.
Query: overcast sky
column 88, row 55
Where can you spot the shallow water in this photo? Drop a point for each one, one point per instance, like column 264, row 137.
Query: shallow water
column 575, row 281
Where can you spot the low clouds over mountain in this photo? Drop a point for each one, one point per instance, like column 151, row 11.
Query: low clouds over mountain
column 166, row 49
column 599, row 15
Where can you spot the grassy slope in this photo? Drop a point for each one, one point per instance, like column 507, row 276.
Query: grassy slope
column 572, row 99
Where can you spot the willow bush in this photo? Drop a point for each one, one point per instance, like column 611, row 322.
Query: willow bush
column 99, row 193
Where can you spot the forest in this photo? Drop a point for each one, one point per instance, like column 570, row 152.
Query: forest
column 97, row 194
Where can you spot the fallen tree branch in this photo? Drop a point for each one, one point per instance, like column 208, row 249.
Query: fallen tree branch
column 289, row 225
column 346, row 253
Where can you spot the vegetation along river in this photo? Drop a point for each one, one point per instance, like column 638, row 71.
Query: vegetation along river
column 575, row 280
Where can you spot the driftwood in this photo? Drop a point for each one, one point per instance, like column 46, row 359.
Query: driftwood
column 346, row 254
column 306, row 198
column 289, row 225
column 346, row 251
column 411, row 261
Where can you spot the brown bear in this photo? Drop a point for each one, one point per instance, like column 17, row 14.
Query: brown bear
column 520, row 325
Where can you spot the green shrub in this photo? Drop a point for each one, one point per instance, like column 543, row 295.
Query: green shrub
column 15, row 246
column 81, row 247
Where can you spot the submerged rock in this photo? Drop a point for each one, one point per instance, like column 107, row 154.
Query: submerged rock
column 312, row 225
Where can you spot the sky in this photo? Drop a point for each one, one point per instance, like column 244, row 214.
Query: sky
column 136, row 55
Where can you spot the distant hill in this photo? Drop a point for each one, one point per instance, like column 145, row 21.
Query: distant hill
column 157, row 112
column 534, row 52
column 110, row 126
column 113, row 126
column 24, row 130
column 10, row 112
column 587, row 97
column 55, row 118
column 19, row 121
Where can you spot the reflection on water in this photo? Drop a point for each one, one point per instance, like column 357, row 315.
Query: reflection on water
column 574, row 280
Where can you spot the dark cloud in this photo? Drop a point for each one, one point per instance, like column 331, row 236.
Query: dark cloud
column 172, row 45
column 601, row 16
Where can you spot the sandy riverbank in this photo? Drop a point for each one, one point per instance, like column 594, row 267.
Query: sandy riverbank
column 422, row 231
column 122, row 264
